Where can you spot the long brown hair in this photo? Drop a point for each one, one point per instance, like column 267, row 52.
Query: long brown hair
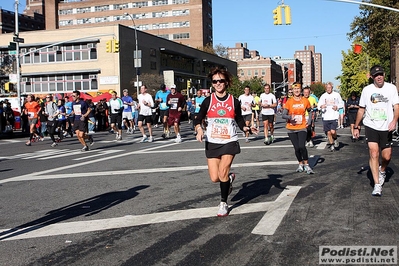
column 222, row 71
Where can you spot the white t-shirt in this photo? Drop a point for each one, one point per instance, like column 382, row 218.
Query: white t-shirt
column 378, row 104
column 145, row 109
column 267, row 99
column 330, row 99
column 246, row 101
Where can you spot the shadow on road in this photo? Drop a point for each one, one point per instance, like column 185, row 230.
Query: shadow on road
column 85, row 207
column 256, row 188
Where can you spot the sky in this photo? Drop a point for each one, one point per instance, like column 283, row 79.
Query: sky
column 322, row 23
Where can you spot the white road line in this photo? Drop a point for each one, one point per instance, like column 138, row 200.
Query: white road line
column 267, row 226
column 42, row 176
column 275, row 214
column 101, row 153
column 322, row 145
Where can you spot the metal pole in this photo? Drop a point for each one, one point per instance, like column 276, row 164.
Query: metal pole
column 16, row 33
column 136, row 56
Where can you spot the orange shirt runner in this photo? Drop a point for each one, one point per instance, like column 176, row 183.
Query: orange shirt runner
column 32, row 108
column 297, row 110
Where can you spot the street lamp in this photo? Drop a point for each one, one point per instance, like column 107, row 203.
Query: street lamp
column 136, row 54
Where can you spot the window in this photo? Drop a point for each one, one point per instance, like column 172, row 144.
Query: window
column 181, row 36
column 159, row 2
column 153, row 65
column 101, row 8
column 178, row 2
column 139, row 4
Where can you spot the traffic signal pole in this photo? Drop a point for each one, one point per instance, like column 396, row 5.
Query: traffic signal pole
column 16, row 34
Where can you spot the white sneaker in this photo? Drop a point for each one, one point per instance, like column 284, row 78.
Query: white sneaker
column 178, row 139
column 117, row 136
column 223, row 209
column 311, row 145
column 336, row 143
column 377, row 190
column 150, row 139
column 381, row 176
column 144, row 139
column 308, row 170
column 299, row 169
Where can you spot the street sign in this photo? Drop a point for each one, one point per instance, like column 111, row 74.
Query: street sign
column 12, row 52
column 17, row 39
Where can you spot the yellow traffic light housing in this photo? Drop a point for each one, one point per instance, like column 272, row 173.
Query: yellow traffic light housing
column 7, row 86
column 188, row 83
column 108, row 46
column 115, row 46
column 287, row 13
column 278, row 16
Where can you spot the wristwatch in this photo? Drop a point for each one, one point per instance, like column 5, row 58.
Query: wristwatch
column 355, row 127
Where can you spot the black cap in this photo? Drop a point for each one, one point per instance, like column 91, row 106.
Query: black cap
column 162, row 87
column 376, row 70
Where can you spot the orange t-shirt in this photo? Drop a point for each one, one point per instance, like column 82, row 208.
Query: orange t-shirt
column 297, row 110
column 32, row 108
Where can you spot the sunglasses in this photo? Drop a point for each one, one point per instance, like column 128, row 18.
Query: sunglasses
column 74, row 96
column 215, row 81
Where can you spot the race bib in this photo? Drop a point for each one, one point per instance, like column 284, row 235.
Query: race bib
column 77, row 109
column 220, row 131
column 31, row 114
column 379, row 114
column 297, row 118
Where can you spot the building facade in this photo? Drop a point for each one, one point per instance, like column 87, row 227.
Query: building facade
column 184, row 21
column 64, row 60
column 312, row 65
column 26, row 23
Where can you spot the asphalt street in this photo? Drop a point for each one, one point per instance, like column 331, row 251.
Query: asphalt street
column 129, row 203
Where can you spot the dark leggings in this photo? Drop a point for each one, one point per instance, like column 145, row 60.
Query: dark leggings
column 298, row 139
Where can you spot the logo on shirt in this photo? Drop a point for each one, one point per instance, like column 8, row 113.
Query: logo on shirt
column 378, row 98
column 222, row 112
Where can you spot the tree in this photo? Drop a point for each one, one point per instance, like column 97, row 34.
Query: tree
column 375, row 27
column 221, row 50
column 355, row 69
column 207, row 48
column 255, row 83
column 152, row 81
column 317, row 88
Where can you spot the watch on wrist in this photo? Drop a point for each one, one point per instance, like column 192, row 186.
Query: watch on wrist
column 355, row 127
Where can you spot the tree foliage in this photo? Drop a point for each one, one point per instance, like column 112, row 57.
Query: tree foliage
column 375, row 27
column 152, row 81
column 221, row 50
column 255, row 83
column 317, row 88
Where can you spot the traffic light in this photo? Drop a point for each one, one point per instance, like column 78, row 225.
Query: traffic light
column 278, row 16
column 115, row 46
column 188, row 83
column 287, row 11
column 7, row 86
column 108, row 46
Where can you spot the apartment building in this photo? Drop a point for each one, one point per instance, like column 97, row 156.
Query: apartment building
column 312, row 64
column 26, row 23
column 292, row 69
column 184, row 21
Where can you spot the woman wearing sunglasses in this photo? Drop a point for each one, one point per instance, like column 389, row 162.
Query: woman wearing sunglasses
column 223, row 113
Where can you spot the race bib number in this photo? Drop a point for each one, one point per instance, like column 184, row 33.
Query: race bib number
column 163, row 105
column 379, row 114
column 297, row 119
column 31, row 114
column 220, row 131
column 125, row 106
column 77, row 109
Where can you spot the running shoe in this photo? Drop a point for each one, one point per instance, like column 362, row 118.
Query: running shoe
column 144, row 139
column 178, row 139
column 151, row 139
column 336, row 143
column 119, row 137
column 232, row 177
column 28, row 144
column 332, row 148
column 85, row 148
column 223, row 209
column 311, row 145
column 167, row 133
column 246, row 140
column 91, row 140
column 54, row 144
column 381, row 176
column 308, row 170
column 299, row 169
column 377, row 190
column 272, row 139
column 267, row 141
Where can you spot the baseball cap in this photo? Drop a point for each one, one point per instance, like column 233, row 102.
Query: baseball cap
column 125, row 90
column 162, row 87
column 376, row 70
column 173, row 86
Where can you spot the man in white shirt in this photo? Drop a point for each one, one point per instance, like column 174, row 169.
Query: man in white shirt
column 329, row 103
column 379, row 104
column 267, row 103
column 145, row 103
column 247, row 102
